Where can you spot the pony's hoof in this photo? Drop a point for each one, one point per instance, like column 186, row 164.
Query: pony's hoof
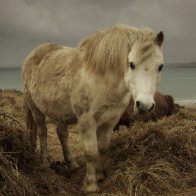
column 45, row 163
column 61, row 169
column 101, row 175
column 74, row 166
column 91, row 189
column 92, row 194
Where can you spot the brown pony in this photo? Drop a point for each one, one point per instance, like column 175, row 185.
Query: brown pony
column 164, row 106
column 91, row 85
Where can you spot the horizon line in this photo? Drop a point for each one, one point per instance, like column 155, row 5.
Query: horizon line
column 14, row 67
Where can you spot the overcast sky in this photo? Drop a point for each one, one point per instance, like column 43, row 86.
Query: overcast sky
column 27, row 23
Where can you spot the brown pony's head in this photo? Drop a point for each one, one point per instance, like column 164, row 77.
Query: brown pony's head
column 170, row 102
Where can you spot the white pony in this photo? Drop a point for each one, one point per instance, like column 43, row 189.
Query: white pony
column 91, row 85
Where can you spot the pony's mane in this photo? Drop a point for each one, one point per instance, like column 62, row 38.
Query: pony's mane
column 108, row 50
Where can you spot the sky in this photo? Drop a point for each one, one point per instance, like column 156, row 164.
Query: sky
column 24, row 24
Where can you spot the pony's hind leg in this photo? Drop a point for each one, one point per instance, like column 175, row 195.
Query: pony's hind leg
column 31, row 126
column 63, row 133
column 88, row 128
column 38, row 119
column 42, row 132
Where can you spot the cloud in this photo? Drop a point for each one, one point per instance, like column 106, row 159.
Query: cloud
column 26, row 23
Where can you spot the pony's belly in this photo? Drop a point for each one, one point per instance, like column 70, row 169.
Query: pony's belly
column 56, row 109
column 62, row 115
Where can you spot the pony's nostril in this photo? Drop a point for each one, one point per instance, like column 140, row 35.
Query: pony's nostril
column 138, row 104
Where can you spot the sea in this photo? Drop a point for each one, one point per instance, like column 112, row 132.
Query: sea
column 176, row 80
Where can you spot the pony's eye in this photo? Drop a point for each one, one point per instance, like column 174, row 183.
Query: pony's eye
column 160, row 67
column 131, row 64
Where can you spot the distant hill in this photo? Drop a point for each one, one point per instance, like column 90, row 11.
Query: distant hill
column 9, row 68
column 178, row 65
column 183, row 65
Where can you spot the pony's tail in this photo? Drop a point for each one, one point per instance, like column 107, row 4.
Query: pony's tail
column 31, row 126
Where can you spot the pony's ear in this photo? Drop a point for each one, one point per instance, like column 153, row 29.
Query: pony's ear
column 159, row 38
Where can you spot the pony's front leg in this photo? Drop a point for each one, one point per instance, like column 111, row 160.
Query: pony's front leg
column 88, row 128
column 104, row 133
column 63, row 133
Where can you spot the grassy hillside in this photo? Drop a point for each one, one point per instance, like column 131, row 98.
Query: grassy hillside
column 153, row 158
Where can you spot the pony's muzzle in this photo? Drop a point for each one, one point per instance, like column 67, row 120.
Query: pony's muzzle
column 144, row 108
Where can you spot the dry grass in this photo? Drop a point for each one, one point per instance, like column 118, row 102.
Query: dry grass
column 20, row 171
column 15, row 154
column 154, row 158
column 11, row 101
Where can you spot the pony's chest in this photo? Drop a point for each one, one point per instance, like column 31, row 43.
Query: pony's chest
column 112, row 111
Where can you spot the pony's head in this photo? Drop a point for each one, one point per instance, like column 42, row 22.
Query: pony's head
column 145, row 62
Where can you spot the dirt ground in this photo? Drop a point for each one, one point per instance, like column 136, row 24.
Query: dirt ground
column 153, row 158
